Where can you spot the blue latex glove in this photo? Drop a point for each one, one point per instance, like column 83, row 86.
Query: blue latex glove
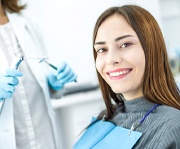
column 64, row 74
column 8, row 81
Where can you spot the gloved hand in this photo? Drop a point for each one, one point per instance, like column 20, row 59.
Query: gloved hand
column 8, row 81
column 64, row 74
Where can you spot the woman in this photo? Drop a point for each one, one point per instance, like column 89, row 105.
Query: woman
column 141, row 97
column 27, row 121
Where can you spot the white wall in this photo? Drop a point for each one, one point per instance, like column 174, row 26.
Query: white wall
column 170, row 12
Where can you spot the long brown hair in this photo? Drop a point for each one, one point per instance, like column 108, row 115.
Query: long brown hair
column 12, row 6
column 158, row 83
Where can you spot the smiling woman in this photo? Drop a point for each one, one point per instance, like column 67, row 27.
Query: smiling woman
column 117, row 60
column 141, row 97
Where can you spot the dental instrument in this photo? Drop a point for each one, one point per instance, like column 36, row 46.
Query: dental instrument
column 15, row 63
column 51, row 65
column 17, row 59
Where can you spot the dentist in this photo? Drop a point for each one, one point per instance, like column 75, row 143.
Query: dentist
column 27, row 120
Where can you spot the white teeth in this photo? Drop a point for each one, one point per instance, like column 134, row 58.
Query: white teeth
column 116, row 74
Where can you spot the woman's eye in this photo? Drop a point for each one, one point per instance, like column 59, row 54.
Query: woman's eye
column 100, row 50
column 124, row 45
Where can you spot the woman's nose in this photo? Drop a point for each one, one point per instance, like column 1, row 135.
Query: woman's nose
column 113, row 57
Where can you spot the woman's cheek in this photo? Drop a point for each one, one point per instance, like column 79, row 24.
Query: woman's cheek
column 99, row 65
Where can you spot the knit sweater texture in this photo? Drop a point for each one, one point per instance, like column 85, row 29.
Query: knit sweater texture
column 160, row 129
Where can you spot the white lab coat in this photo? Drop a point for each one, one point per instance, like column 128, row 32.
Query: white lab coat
column 24, row 29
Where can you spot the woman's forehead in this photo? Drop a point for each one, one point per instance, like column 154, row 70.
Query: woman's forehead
column 114, row 26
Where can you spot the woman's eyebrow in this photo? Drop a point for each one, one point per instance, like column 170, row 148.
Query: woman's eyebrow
column 99, row 43
column 116, row 39
column 122, row 37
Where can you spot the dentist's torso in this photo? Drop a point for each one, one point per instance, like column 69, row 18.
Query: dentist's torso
column 30, row 111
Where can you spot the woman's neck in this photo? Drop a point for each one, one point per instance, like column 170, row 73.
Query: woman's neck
column 3, row 17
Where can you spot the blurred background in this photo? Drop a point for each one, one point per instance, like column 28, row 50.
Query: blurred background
column 67, row 27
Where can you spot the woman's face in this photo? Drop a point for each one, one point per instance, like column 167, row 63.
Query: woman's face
column 120, row 57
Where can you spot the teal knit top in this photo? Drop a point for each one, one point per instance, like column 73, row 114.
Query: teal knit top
column 160, row 129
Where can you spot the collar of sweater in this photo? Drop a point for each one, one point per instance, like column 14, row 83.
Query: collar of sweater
column 137, row 105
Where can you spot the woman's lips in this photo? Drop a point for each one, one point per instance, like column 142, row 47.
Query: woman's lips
column 118, row 73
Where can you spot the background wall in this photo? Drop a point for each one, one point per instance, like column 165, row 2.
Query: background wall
column 170, row 16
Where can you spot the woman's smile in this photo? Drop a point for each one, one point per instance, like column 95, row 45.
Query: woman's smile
column 118, row 73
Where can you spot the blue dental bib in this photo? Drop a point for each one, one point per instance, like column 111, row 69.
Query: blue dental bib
column 106, row 135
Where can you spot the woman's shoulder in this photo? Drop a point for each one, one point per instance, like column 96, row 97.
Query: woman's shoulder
column 28, row 18
column 22, row 16
column 31, row 23
column 168, row 109
column 169, row 113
